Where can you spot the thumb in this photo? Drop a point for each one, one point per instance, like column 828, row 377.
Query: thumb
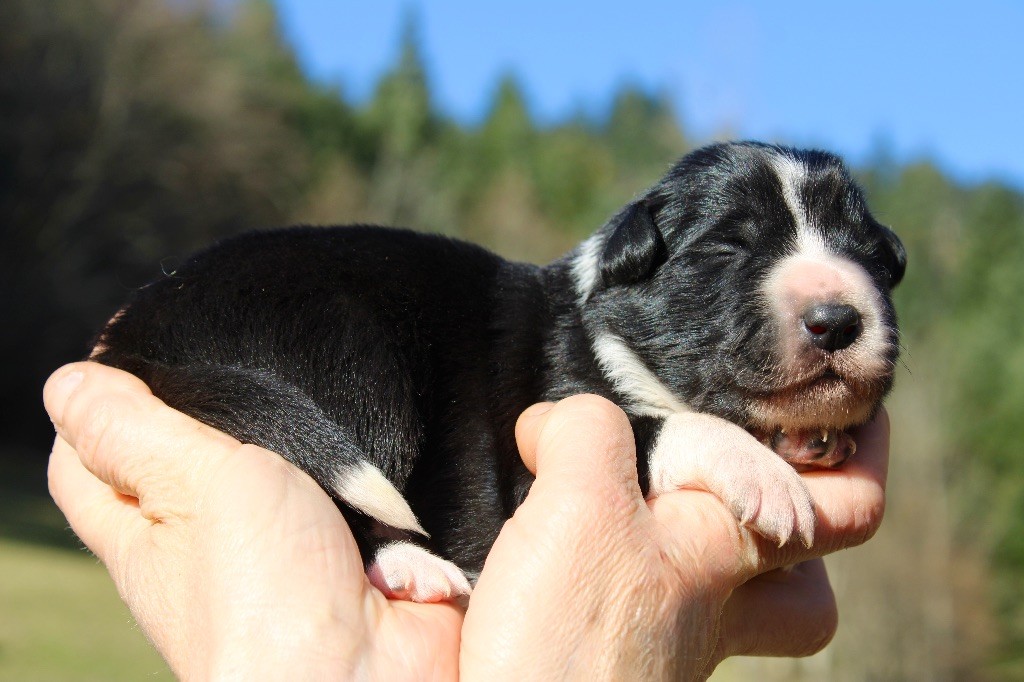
column 568, row 549
column 584, row 442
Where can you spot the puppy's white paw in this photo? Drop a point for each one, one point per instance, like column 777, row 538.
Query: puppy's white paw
column 762, row 491
column 406, row 571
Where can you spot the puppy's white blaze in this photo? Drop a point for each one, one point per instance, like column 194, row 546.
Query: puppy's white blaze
column 791, row 174
column 363, row 487
column 811, row 246
column 585, row 269
column 632, row 378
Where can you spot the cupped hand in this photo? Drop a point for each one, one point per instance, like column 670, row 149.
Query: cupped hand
column 236, row 564
column 590, row 581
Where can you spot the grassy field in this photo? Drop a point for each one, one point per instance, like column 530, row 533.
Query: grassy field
column 61, row 619
column 60, row 616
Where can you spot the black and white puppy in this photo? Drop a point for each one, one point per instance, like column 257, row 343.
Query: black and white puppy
column 737, row 311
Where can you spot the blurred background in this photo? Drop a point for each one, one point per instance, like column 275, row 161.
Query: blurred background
column 133, row 132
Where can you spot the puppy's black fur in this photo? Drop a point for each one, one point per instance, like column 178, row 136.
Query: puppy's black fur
column 416, row 353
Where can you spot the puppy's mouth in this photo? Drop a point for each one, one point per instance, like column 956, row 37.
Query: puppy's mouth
column 809, row 449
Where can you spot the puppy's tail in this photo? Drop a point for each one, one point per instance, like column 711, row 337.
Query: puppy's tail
column 256, row 407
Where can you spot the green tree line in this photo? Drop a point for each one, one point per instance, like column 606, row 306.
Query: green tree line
column 133, row 132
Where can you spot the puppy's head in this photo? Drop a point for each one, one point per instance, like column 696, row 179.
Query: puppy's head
column 752, row 283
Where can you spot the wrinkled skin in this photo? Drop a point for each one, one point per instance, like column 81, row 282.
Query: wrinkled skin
column 235, row 563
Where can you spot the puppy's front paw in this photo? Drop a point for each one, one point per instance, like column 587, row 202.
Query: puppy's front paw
column 406, row 571
column 762, row 491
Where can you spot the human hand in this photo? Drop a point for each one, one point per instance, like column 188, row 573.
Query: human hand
column 234, row 563
column 589, row 581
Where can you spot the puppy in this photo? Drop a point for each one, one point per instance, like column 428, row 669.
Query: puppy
column 739, row 310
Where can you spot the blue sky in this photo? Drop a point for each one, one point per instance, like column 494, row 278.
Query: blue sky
column 943, row 80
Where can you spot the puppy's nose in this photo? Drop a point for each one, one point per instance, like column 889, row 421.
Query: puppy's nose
column 832, row 326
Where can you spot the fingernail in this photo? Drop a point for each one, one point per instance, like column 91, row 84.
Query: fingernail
column 62, row 390
column 69, row 383
column 537, row 410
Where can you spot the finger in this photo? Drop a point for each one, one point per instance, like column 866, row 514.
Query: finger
column 528, row 428
column 583, row 454
column 786, row 612
column 584, row 443
column 102, row 518
column 124, row 435
column 851, row 500
column 849, row 504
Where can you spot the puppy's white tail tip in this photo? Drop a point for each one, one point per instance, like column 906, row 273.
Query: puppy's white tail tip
column 363, row 487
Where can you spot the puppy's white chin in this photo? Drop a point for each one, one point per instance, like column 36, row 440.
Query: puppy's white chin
column 830, row 404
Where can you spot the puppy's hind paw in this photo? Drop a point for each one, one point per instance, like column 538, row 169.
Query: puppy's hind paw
column 406, row 571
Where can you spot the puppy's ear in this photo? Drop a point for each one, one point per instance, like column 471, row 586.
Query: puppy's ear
column 634, row 249
column 898, row 263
